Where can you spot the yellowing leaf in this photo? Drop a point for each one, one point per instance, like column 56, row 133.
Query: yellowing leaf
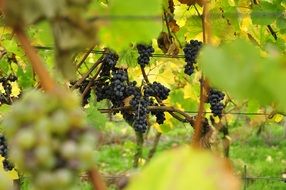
column 278, row 118
column 185, row 168
column 15, row 89
column 157, row 127
column 11, row 174
column 189, row 92
column 168, row 124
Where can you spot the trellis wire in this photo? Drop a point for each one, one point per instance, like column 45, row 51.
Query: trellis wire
column 246, row 178
column 167, row 56
column 101, row 52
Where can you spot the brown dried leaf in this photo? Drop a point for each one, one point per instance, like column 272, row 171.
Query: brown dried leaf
column 173, row 49
column 164, row 41
column 173, row 26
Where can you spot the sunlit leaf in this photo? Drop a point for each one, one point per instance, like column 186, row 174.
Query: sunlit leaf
column 186, row 168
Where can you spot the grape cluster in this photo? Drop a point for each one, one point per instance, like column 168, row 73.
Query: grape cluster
column 160, row 116
column 113, row 85
column 214, row 99
column 6, row 97
column 7, row 165
column 110, row 59
column 157, row 90
column 108, row 64
column 117, row 89
column 48, row 139
column 118, row 82
column 191, row 51
column 140, row 103
column 145, row 52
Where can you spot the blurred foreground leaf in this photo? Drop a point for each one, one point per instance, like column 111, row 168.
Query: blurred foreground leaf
column 129, row 21
column 186, row 168
column 240, row 69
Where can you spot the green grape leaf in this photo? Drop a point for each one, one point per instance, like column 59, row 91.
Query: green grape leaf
column 94, row 117
column 224, row 21
column 185, row 168
column 281, row 24
column 25, row 77
column 128, row 57
column 177, row 98
column 129, row 21
column 266, row 13
column 4, row 65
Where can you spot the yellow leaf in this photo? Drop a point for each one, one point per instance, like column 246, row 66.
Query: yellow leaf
column 278, row 118
column 15, row 89
column 186, row 168
column 167, row 124
column 12, row 174
column 189, row 92
column 157, row 127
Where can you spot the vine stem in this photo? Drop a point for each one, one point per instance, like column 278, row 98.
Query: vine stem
column 49, row 85
column 88, row 72
column 139, row 149
column 84, row 57
column 145, row 76
column 91, row 81
column 98, row 182
column 46, row 81
column 170, row 109
column 155, row 145
column 204, row 84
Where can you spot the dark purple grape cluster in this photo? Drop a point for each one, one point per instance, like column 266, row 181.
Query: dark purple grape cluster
column 3, row 146
column 5, row 98
column 113, row 85
column 214, row 99
column 110, row 59
column 101, row 87
column 119, row 82
column 145, row 52
column 191, row 51
column 160, row 116
column 140, row 104
column 7, row 165
column 157, row 90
